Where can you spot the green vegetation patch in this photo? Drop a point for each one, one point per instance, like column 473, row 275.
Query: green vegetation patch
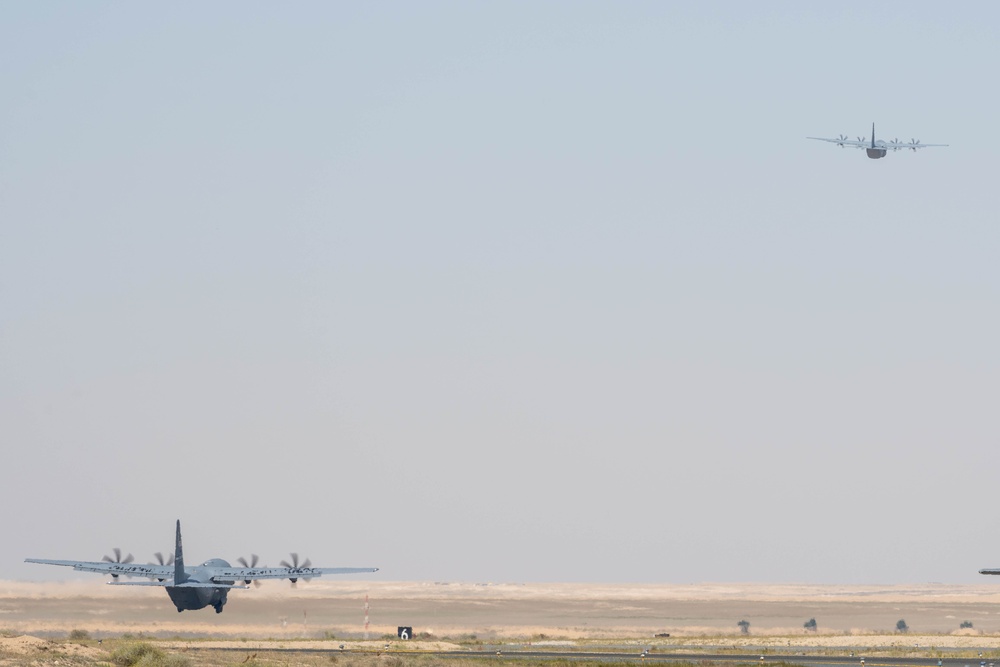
column 144, row 654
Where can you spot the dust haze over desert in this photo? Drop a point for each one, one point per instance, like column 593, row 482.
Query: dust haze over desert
column 552, row 296
column 444, row 615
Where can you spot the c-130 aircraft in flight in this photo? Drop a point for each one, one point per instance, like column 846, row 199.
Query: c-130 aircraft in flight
column 876, row 149
column 199, row 586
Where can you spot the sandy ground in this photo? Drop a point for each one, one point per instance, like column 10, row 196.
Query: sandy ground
column 441, row 613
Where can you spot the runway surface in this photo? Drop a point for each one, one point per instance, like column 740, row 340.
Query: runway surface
column 771, row 660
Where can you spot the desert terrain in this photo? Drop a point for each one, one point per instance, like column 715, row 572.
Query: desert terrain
column 447, row 612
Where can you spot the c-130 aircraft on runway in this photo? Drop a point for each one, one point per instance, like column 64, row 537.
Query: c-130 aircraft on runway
column 199, row 586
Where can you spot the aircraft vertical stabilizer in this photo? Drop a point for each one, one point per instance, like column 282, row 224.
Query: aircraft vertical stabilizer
column 179, row 575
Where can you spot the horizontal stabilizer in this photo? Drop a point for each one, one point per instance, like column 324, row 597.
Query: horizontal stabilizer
column 170, row 584
column 140, row 583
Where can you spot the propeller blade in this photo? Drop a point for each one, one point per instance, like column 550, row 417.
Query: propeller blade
column 295, row 564
column 118, row 559
column 163, row 561
column 169, row 560
column 252, row 564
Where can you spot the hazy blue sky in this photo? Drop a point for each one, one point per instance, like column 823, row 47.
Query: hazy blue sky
column 512, row 291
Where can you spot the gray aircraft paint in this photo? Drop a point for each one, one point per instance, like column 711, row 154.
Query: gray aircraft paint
column 877, row 150
column 200, row 586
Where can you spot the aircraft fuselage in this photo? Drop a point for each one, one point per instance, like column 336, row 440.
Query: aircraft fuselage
column 878, row 149
column 197, row 598
column 190, row 599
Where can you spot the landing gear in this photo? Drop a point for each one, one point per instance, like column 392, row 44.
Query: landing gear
column 180, row 609
column 218, row 607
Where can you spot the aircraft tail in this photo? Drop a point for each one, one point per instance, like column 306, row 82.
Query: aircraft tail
column 180, row 576
column 873, row 135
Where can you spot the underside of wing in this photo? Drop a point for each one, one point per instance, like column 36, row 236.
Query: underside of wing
column 116, row 569
column 251, row 573
column 990, row 570
column 912, row 145
column 843, row 142
column 170, row 584
column 166, row 582
column 347, row 570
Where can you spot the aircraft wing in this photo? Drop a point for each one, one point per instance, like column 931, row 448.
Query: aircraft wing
column 990, row 571
column 250, row 573
column 127, row 569
column 844, row 142
column 171, row 584
column 900, row 145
